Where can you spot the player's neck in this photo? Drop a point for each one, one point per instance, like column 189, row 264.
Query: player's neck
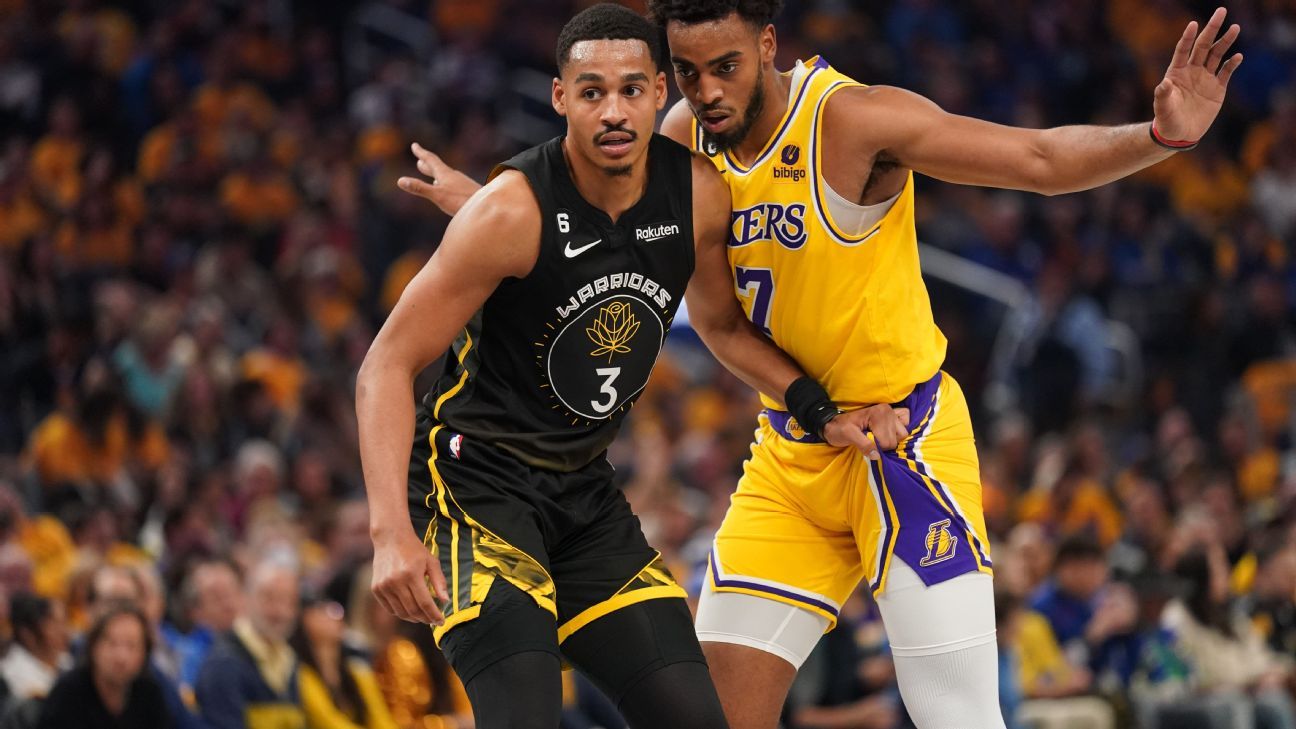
column 613, row 194
column 778, row 86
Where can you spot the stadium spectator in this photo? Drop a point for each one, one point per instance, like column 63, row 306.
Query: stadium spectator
column 1243, row 680
column 338, row 687
column 211, row 597
column 250, row 677
column 39, row 651
column 1091, row 618
column 112, row 688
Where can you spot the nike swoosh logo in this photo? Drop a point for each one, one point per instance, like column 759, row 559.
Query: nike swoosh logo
column 573, row 252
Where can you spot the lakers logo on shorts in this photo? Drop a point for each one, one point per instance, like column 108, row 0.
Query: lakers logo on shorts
column 940, row 544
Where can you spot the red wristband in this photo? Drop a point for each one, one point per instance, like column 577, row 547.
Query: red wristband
column 1178, row 145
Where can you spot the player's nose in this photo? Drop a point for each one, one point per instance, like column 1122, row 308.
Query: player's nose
column 709, row 90
column 614, row 111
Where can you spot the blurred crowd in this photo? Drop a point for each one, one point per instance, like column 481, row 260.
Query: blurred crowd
column 200, row 233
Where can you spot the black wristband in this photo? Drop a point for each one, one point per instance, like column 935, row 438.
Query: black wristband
column 809, row 403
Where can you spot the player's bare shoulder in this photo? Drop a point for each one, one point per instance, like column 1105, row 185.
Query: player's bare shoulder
column 863, row 127
column 504, row 224
column 677, row 125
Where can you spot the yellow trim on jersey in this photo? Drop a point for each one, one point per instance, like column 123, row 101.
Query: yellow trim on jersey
column 817, row 183
column 442, row 491
column 454, row 619
column 615, row 603
column 463, row 378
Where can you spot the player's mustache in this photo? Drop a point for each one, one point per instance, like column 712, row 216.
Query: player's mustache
column 598, row 138
column 703, row 110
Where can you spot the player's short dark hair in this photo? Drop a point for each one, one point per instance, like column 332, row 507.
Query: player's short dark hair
column 759, row 13
column 1079, row 548
column 607, row 21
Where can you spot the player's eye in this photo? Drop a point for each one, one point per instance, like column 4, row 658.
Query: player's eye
column 728, row 68
column 591, row 94
column 684, row 72
column 633, row 91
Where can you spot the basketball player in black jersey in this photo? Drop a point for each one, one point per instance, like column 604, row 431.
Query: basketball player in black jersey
column 557, row 284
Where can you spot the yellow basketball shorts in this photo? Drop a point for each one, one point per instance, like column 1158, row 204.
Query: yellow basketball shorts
column 809, row 520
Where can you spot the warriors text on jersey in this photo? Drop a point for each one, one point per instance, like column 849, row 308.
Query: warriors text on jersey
column 548, row 367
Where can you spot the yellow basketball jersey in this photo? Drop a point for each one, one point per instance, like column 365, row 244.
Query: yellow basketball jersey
column 852, row 310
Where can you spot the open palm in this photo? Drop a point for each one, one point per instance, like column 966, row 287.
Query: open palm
column 1188, row 99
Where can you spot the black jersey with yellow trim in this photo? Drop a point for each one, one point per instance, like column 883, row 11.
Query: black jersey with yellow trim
column 549, row 366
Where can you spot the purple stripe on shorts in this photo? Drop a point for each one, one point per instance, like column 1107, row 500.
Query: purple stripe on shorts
column 731, row 582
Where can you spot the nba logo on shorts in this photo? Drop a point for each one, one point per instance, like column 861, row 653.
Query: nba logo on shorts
column 456, row 442
column 940, row 544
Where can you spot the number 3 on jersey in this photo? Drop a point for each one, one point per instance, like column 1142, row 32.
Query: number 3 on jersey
column 607, row 389
column 757, row 286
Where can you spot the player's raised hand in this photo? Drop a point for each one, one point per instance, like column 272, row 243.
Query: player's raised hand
column 402, row 571
column 1188, row 99
column 446, row 187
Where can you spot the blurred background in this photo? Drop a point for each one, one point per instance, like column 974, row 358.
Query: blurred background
column 200, row 233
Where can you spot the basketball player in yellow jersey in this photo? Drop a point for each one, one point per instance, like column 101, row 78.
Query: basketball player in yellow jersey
column 825, row 260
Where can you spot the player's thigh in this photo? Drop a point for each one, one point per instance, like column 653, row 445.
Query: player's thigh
column 605, row 564
column 787, row 536
column 477, row 524
column 509, row 623
column 509, row 661
column 623, row 647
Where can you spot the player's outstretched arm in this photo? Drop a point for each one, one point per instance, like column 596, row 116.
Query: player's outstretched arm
column 497, row 236
column 445, row 187
column 912, row 131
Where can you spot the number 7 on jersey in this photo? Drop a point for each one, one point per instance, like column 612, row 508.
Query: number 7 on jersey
column 756, row 285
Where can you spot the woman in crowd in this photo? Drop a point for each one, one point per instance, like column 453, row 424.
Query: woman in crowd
column 338, row 689
column 1244, row 682
column 111, row 689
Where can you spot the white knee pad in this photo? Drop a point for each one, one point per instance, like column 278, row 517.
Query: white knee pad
column 943, row 641
column 784, row 630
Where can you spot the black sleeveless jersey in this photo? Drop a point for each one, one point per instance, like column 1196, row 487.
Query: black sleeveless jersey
column 547, row 369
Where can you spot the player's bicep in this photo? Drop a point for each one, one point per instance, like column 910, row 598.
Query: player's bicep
column 711, row 299
column 495, row 236
column 923, row 137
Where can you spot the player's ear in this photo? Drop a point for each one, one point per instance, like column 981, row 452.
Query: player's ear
column 768, row 44
column 559, row 99
column 659, row 88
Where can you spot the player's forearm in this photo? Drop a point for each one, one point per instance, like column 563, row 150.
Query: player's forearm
column 751, row 357
column 1083, row 157
column 385, row 414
